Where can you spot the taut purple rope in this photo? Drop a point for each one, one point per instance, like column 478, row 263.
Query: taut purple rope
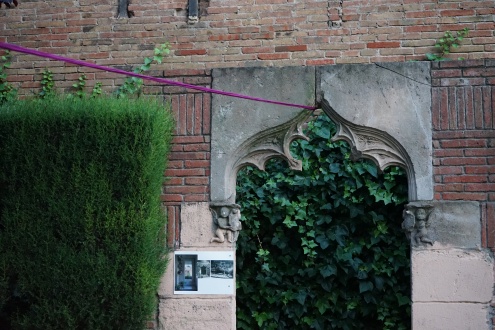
column 137, row 75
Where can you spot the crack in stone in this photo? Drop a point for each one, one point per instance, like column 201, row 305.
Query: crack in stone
column 400, row 74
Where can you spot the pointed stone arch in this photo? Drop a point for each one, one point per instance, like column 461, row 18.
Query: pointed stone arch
column 384, row 112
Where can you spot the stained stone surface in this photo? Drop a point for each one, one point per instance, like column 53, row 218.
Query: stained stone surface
column 392, row 97
column 235, row 121
column 451, row 316
column 197, row 313
column 453, row 275
column 455, row 224
column 197, row 227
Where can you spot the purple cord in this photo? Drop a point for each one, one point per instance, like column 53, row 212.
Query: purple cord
column 137, row 75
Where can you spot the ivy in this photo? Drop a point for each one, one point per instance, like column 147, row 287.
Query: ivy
column 445, row 45
column 133, row 85
column 322, row 248
column 7, row 91
column 47, row 84
column 96, row 91
column 79, row 86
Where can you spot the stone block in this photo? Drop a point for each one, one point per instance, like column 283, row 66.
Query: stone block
column 167, row 281
column 197, row 227
column 197, row 314
column 451, row 316
column 455, row 224
column 451, row 276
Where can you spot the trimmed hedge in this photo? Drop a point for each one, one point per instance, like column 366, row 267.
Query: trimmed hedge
column 81, row 229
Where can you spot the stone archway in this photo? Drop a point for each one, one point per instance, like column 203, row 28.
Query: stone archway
column 384, row 112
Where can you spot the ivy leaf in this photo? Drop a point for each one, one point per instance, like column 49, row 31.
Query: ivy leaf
column 403, row 300
column 322, row 306
column 335, row 168
column 371, row 169
column 365, row 286
column 431, row 57
column 301, row 297
column 328, row 270
column 379, row 281
column 323, row 241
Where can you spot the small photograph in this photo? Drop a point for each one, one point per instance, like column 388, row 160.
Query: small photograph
column 203, row 268
column 188, row 271
column 222, row 268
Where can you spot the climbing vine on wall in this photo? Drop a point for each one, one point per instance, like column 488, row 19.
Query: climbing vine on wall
column 322, row 248
column 7, row 91
column 445, row 45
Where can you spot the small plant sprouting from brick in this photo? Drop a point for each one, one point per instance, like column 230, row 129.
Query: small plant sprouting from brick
column 133, row 85
column 97, row 91
column 7, row 91
column 47, row 85
column 446, row 44
column 79, row 86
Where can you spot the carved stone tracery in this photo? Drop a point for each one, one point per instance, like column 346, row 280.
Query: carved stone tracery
column 272, row 143
column 373, row 144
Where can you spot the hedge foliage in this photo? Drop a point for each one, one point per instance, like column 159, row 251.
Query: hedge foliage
column 322, row 248
column 81, row 229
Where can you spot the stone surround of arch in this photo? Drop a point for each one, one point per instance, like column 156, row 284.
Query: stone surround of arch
column 385, row 112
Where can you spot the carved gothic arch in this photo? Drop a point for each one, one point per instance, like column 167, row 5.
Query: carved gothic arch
column 271, row 143
column 373, row 144
column 382, row 111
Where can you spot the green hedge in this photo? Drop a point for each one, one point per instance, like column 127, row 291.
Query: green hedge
column 81, row 229
column 322, row 248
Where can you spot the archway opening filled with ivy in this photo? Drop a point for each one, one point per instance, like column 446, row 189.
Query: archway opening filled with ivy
column 322, row 248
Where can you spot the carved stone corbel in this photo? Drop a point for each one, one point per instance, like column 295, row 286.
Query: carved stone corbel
column 227, row 219
column 416, row 223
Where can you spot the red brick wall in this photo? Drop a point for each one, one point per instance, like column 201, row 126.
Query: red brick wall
column 188, row 173
column 274, row 32
column 463, row 96
column 240, row 33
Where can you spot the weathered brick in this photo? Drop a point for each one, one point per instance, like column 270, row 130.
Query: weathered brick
column 465, row 179
column 489, row 217
column 185, row 172
column 463, row 196
column 294, row 48
column 383, row 44
column 277, row 56
column 186, row 52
